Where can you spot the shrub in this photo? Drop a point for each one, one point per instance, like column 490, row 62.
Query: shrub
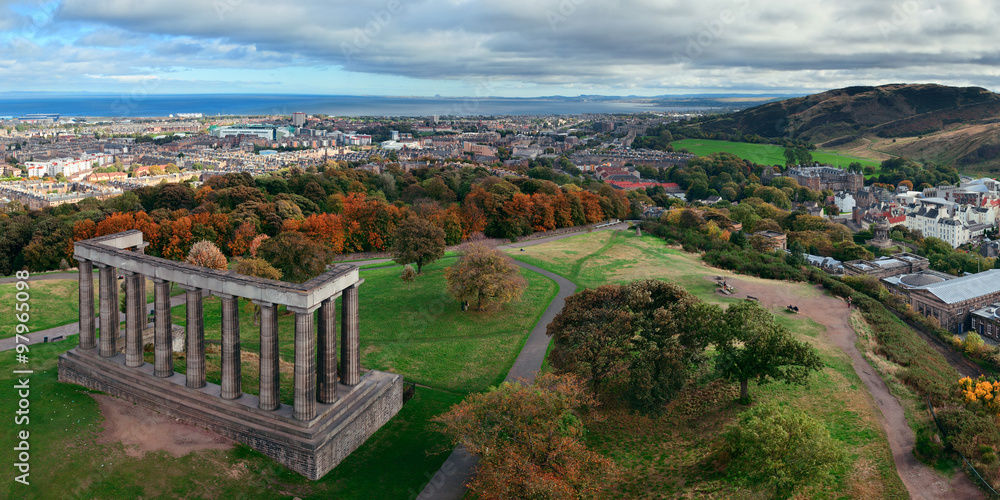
column 408, row 274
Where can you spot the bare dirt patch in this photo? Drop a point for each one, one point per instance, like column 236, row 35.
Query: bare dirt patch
column 141, row 430
column 921, row 481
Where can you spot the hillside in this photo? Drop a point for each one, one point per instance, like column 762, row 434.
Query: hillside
column 927, row 122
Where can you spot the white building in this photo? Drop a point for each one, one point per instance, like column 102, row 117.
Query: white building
column 845, row 202
column 263, row 131
column 948, row 221
column 68, row 166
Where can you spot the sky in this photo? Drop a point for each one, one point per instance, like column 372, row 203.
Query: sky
column 511, row 48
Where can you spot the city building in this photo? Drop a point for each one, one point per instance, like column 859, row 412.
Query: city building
column 823, row 177
column 951, row 300
column 986, row 321
column 884, row 267
column 68, row 166
column 261, row 130
column 949, row 221
column 298, row 119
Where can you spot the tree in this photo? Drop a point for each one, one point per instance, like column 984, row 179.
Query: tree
column 529, row 439
column 205, row 254
column 261, row 269
column 647, row 333
column 485, row 276
column 781, row 447
column 796, row 254
column 295, row 255
column 591, row 334
column 752, row 345
column 418, row 241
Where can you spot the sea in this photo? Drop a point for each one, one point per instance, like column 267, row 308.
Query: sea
column 157, row 105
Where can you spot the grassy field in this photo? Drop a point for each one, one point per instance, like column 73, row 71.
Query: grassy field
column 764, row 154
column 67, row 462
column 415, row 329
column 677, row 455
column 52, row 303
column 411, row 329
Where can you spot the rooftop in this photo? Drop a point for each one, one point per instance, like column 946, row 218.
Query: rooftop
column 965, row 288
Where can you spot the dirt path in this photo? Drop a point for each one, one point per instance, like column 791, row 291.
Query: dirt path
column 921, row 481
column 142, row 431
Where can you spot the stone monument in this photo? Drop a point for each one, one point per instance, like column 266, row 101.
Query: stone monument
column 334, row 411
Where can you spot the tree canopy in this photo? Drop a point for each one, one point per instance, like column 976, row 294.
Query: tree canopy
column 752, row 345
column 418, row 241
column 485, row 276
column 529, row 439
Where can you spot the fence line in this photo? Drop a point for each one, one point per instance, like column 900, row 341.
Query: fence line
column 966, row 465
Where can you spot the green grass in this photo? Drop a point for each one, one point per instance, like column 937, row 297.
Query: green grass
column 67, row 462
column 764, row 154
column 679, row 454
column 52, row 303
column 416, row 329
column 410, row 328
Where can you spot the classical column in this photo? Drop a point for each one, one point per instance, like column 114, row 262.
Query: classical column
column 231, row 387
column 134, row 319
column 305, row 365
column 163, row 346
column 326, row 361
column 141, row 249
column 109, row 311
column 269, row 375
column 350, row 362
column 195, row 357
column 88, row 337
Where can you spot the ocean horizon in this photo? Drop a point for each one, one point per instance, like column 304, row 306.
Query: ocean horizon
column 156, row 105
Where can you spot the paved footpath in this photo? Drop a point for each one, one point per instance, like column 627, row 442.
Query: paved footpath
column 450, row 480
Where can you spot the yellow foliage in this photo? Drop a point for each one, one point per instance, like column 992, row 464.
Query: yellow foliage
column 982, row 391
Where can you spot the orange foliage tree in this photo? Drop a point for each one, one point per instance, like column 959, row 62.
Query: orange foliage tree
column 327, row 229
column 370, row 223
column 529, row 439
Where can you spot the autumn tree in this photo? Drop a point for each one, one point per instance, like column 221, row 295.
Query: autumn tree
column 752, row 345
column 529, row 439
column 781, row 448
column 205, row 254
column 485, row 276
column 648, row 333
column 419, row 242
column 296, row 256
column 592, row 334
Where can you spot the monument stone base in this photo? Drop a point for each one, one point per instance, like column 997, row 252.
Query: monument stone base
column 311, row 448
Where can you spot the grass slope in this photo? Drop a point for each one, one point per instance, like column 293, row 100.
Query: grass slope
column 764, row 154
column 678, row 454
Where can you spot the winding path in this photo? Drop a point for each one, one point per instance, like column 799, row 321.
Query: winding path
column 833, row 313
column 450, row 480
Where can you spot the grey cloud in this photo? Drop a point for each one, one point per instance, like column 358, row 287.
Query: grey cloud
column 612, row 44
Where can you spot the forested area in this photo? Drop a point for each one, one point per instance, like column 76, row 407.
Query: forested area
column 342, row 209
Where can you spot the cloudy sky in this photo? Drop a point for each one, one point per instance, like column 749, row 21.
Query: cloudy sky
column 497, row 48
